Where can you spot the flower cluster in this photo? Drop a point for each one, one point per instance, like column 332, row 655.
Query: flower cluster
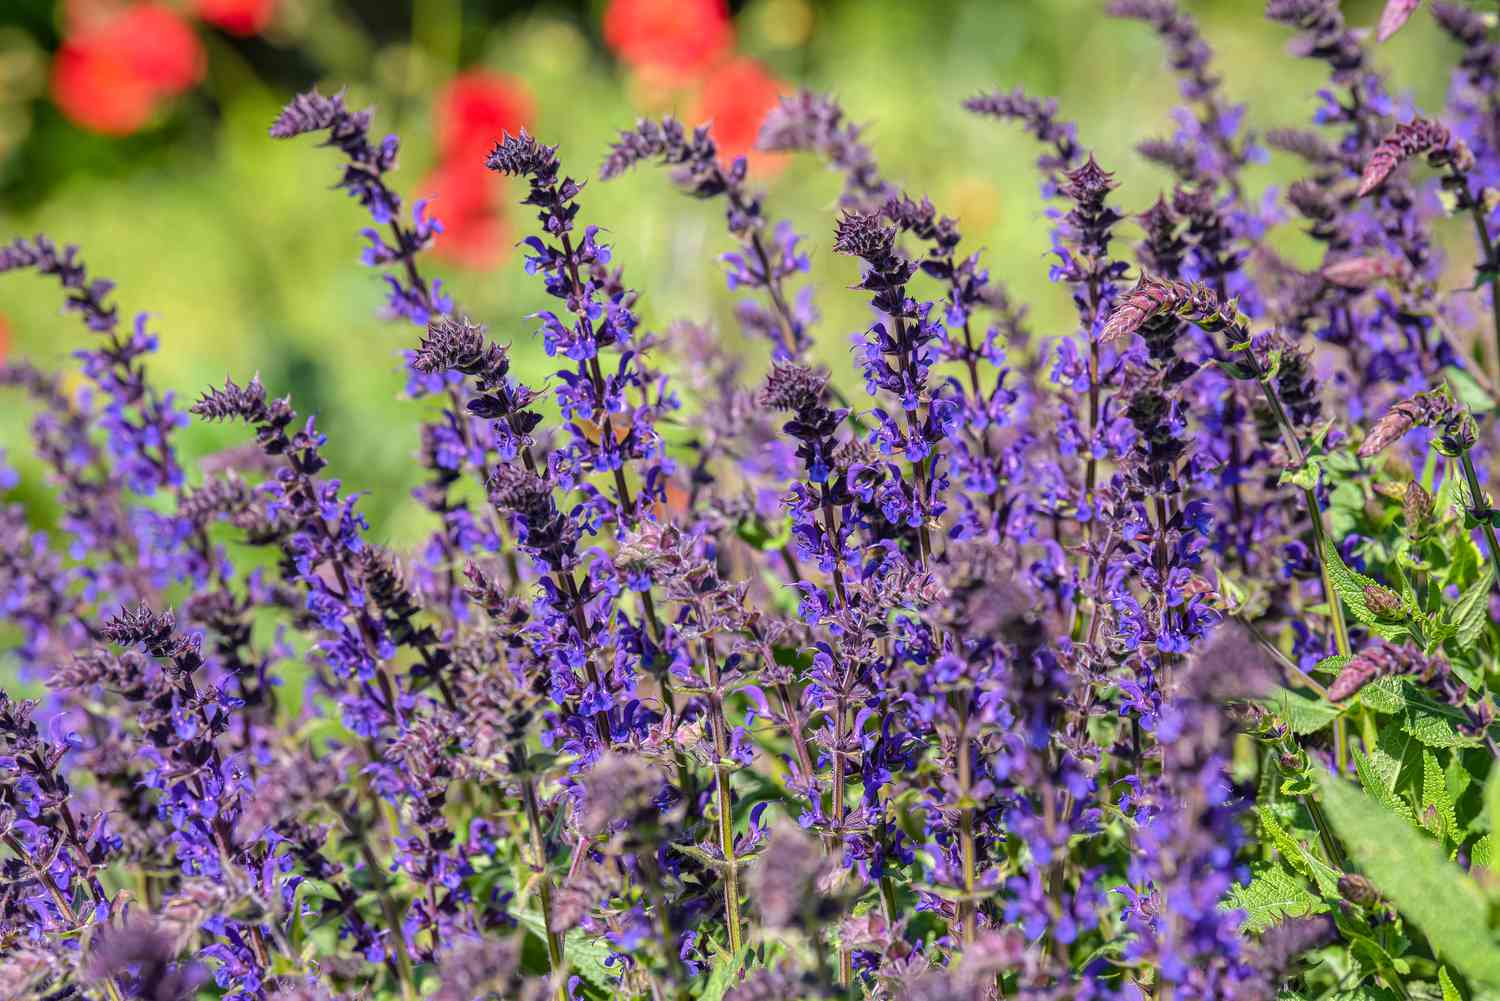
column 1032, row 668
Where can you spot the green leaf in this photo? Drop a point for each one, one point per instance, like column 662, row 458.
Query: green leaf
column 1482, row 853
column 1435, row 730
column 1450, row 992
column 1411, row 871
column 1471, row 613
column 762, row 536
column 1492, row 798
column 724, row 975
column 1273, row 895
column 1296, row 855
column 1303, row 713
column 1333, row 665
column 1468, row 390
column 1381, row 784
column 1383, row 695
column 1365, row 992
column 584, row 954
column 1438, row 813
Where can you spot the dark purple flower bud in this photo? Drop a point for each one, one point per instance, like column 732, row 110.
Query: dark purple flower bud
column 85, row 297
column 247, row 403
column 454, row 343
column 1089, row 184
column 864, row 235
column 520, row 491
column 522, row 156
column 141, row 626
column 793, row 387
column 1037, row 117
column 309, row 112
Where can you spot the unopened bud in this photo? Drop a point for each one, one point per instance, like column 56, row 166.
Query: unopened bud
column 1383, row 603
column 1357, row 889
column 1417, row 506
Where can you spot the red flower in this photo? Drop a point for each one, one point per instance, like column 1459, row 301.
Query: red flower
column 475, row 233
column 474, row 109
column 736, row 98
column 112, row 72
column 238, row 17
column 680, row 39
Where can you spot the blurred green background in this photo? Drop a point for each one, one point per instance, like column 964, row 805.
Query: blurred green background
column 249, row 262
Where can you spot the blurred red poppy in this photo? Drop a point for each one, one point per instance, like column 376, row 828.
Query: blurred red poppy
column 680, row 39
column 114, row 69
column 475, row 233
column 238, row 17
column 735, row 98
column 475, row 108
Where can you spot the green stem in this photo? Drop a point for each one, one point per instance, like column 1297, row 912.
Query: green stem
column 392, row 914
column 58, row 897
column 1320, row 544
column 966, row 915
column 725, row 801
column 1487, row 245
column 1479, row 507
column 539, row 866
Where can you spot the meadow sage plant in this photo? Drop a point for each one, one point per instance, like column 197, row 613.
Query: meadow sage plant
column 1147, row 659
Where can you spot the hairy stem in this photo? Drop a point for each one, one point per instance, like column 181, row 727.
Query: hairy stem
column 555, row 953
column 1479, row 509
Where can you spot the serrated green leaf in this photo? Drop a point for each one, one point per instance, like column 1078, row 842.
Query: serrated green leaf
column 1482, row 853
column 1333, row 665
column 1380, row 783
column 1471, row 613
column 1412, row 872
column 1438, row 813
column 1302, row 713
column 1273, row 895
column 1450, row 992
column 1435, row 730
column 1296, row 855
column 1383, row 695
